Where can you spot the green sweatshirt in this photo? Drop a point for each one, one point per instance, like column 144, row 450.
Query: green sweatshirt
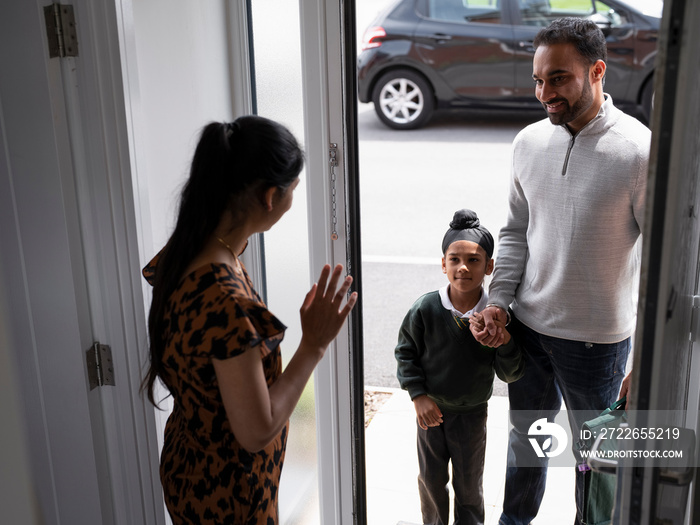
column 438, row 358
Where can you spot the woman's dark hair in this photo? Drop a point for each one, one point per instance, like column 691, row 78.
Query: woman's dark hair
column 231, row 162
column 584, row 34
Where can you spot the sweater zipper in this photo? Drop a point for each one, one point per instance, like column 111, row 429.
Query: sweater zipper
column 571, row 143
column 568, row 153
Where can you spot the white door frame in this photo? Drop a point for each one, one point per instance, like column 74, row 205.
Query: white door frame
column 98, row 125
column 329, row 107
column 665, row 379
column 69, row 262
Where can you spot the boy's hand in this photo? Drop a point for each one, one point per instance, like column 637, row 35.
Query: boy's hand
column 494, row 321
column 427, row 411
column 477, row 325
column 476, row 322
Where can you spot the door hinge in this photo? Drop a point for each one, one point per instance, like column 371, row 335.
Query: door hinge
column 99, row 365
column 60, row 31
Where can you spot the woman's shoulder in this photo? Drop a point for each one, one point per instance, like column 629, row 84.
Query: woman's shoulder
column 203, row 275
column 220, row 301
column 217, row 293
column 217, row 280
column 228, row 290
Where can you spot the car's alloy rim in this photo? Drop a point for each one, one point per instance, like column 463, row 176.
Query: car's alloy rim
column 401, row 100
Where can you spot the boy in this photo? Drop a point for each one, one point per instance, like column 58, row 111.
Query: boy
column 449, row 376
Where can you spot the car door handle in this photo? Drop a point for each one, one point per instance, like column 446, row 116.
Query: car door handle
column 440, row 37
column 526, row 45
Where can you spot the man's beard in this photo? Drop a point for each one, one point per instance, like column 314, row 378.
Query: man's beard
column 581, row 104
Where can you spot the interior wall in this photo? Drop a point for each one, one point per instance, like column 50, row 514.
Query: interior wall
column 45, row 327
column 182, row 83
column 16, row 482
column 17, row 496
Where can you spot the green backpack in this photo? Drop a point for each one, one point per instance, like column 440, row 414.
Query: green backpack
column 599, row 487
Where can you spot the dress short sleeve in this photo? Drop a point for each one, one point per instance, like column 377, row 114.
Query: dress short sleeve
column 247, row 324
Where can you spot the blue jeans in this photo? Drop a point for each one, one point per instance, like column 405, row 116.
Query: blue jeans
column 460, row 439
column 587, row 376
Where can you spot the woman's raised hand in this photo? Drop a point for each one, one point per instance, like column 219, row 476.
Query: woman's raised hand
column 321, row 314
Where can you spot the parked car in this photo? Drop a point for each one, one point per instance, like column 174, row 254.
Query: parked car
column 420, row 55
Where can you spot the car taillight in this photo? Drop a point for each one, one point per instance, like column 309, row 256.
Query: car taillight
column 373, row 37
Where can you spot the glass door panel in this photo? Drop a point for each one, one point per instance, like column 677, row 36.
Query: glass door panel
column 278, row 88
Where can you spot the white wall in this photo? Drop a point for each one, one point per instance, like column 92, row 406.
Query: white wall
column 182, row 84
column 17, row 497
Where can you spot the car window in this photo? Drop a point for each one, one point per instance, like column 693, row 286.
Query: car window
column 542, row 12
column 652, row 8
column 464, row 11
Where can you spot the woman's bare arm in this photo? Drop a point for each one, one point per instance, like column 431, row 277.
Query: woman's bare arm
column 258, row 413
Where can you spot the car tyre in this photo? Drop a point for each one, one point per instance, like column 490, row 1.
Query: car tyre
column 403, row 99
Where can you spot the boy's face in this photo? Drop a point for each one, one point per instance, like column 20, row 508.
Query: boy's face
column 466, row 264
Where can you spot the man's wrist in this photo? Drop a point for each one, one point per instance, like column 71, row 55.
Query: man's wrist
column 501, row 308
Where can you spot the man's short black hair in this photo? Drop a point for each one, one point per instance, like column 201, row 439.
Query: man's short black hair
column 585, row 35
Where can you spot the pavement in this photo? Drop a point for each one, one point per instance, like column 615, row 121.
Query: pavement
column 392, row 468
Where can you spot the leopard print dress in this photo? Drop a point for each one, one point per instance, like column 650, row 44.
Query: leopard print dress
column 207, row 477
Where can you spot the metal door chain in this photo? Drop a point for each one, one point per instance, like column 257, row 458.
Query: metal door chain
column 333, row 161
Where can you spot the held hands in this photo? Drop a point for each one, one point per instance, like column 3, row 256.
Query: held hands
column 321, row 313
column 427, row 411
column 489, row 326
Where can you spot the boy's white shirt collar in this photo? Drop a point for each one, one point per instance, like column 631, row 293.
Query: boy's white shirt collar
column 447, row 304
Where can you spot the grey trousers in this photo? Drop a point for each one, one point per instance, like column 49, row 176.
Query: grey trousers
column 461, row 439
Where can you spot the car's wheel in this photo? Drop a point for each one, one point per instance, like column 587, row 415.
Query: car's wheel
column 647, row 99
column 403, row 99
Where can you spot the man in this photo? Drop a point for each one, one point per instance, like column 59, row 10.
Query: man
column 568, row 257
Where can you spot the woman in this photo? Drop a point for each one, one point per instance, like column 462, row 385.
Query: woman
column 214, row 344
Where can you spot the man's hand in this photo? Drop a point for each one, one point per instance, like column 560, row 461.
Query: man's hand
column 427, row 411
column 477, row 325
column 494, row 319
column 626, row 388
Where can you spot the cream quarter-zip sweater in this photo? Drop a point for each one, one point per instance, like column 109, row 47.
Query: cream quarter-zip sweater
column 568, row 257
